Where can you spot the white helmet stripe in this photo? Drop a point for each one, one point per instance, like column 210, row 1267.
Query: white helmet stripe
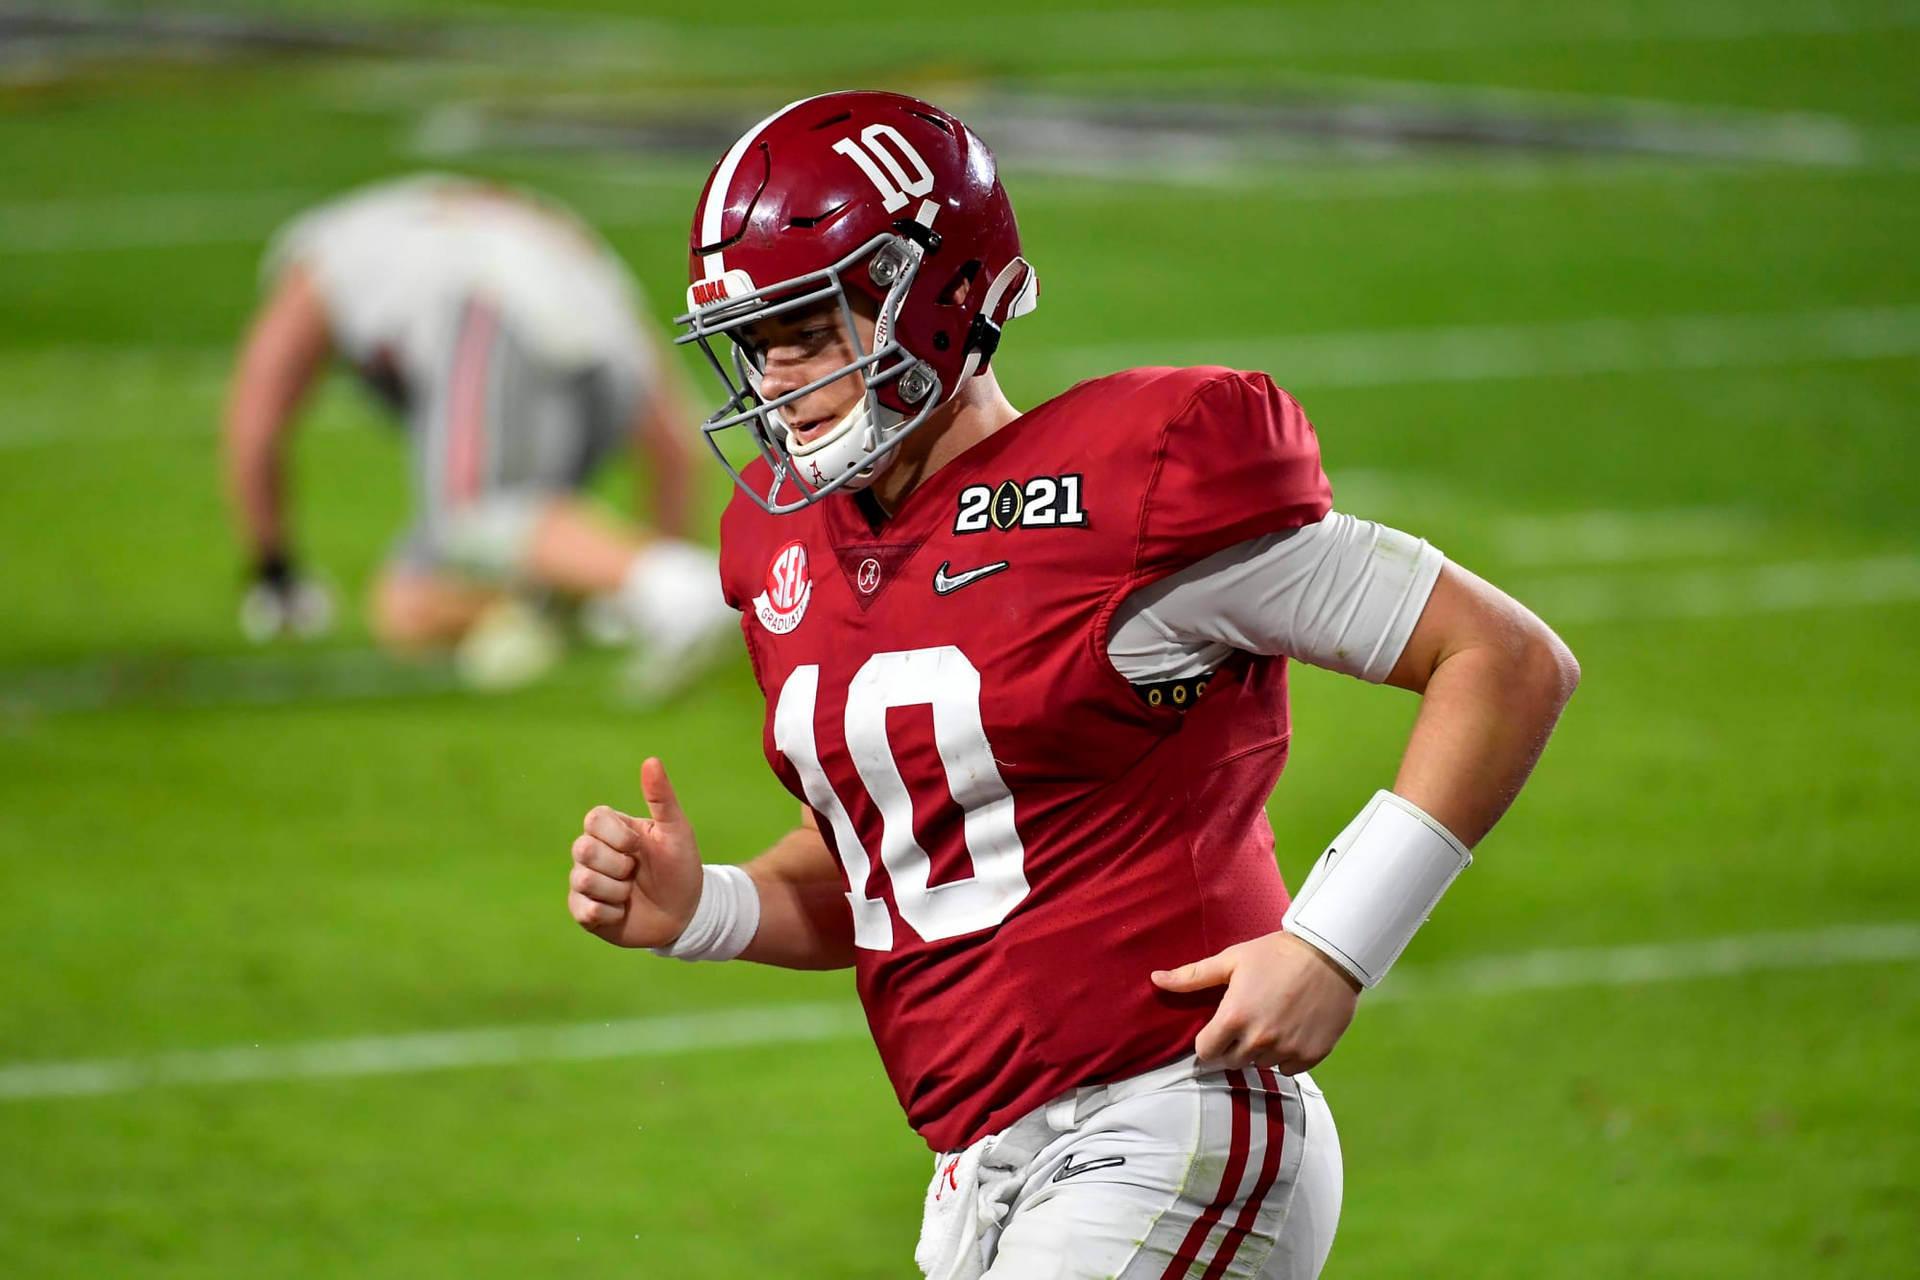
column 713, row 217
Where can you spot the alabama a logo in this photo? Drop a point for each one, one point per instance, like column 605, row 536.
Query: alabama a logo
column 789, row 587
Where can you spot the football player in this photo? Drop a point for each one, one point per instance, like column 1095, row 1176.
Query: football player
column 507, row 336
column 1026, row 673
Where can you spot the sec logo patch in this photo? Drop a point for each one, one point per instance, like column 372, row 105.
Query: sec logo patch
column 789, row 588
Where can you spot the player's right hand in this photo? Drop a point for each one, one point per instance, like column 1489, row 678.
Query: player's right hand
column 636, row 881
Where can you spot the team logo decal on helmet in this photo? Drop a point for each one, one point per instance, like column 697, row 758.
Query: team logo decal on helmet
column 727, row 285
column 858, row 194
column 789, row 588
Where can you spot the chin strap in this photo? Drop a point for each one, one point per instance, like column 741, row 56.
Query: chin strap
column 862, row 429
column 1014, row 292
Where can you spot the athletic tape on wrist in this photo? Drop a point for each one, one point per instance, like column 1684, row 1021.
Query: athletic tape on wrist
column 1375, row 886
column 725, row 920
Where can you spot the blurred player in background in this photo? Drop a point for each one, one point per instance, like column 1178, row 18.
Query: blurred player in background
column 1026, row 673
column 509, row 338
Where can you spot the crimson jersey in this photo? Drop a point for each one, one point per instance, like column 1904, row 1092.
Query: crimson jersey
column 1026, row 837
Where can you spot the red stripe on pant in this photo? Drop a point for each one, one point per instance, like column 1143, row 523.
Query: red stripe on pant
column 467, row 404
column 1237, row 1146
column 1269, row 1170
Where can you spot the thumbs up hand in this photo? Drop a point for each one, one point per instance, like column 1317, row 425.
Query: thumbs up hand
column 636, row 881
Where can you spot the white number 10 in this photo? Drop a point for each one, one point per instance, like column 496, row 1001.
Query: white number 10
column 944, row 680
column 867, row 151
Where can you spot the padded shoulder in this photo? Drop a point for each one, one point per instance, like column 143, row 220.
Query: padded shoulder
column 1237, row 459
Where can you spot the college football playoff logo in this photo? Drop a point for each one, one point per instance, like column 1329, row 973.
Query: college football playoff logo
column 789, row 588
column 1044, row 502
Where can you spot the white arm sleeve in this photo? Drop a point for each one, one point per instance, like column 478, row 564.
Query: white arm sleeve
column 1343, row 594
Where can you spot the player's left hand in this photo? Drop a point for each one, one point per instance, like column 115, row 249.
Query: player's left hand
column 1286, row 1003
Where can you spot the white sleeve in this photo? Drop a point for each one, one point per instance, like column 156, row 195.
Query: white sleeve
column 1342, row 594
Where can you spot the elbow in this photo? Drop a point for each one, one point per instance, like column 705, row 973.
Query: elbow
column 1569, row 670
column 1551, row 670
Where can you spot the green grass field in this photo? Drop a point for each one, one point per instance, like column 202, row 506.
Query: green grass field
column 1624, row 313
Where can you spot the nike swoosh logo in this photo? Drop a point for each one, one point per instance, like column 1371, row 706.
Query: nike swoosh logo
column 1072, row 1170
column 944, row 585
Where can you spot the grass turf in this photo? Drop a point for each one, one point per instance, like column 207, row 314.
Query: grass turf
column 195, row 860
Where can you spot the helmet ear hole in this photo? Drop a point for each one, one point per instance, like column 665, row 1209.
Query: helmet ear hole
column 960, row 285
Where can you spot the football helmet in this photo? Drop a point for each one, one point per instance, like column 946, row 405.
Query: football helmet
column 874, row 193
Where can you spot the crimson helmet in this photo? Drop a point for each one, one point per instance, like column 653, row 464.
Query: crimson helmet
column 875, row 192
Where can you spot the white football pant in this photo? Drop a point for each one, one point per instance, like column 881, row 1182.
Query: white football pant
column 1178, row 1172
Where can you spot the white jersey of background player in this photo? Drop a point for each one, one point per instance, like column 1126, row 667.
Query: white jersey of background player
column 510, row 339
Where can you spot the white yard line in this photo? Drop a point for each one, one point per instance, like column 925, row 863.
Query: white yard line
column 1565, row 540
column 365, row 675
column 1157, row 34
column 1675, row 141
column 1298, row 133
column 265, row 679
column 1086, row 179
column 90, row 394
column 1358, row 358
column 1596, row 537
column 1559, row 969
column 161, row 220
column 1722, row 591
column 1474, row 353
column 438, row 1050
column 1638, row 965
column 147, row 221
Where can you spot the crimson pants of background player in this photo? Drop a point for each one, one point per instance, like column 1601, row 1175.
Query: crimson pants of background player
column 1178, row 1172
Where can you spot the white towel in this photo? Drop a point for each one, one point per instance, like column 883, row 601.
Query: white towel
column 949, row 1247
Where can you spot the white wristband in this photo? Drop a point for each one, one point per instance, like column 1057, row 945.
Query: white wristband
column 725, row 920
column 1375, row 885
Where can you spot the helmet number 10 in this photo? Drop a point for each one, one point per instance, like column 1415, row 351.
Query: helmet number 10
column 890, row 163
column 943, row 680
